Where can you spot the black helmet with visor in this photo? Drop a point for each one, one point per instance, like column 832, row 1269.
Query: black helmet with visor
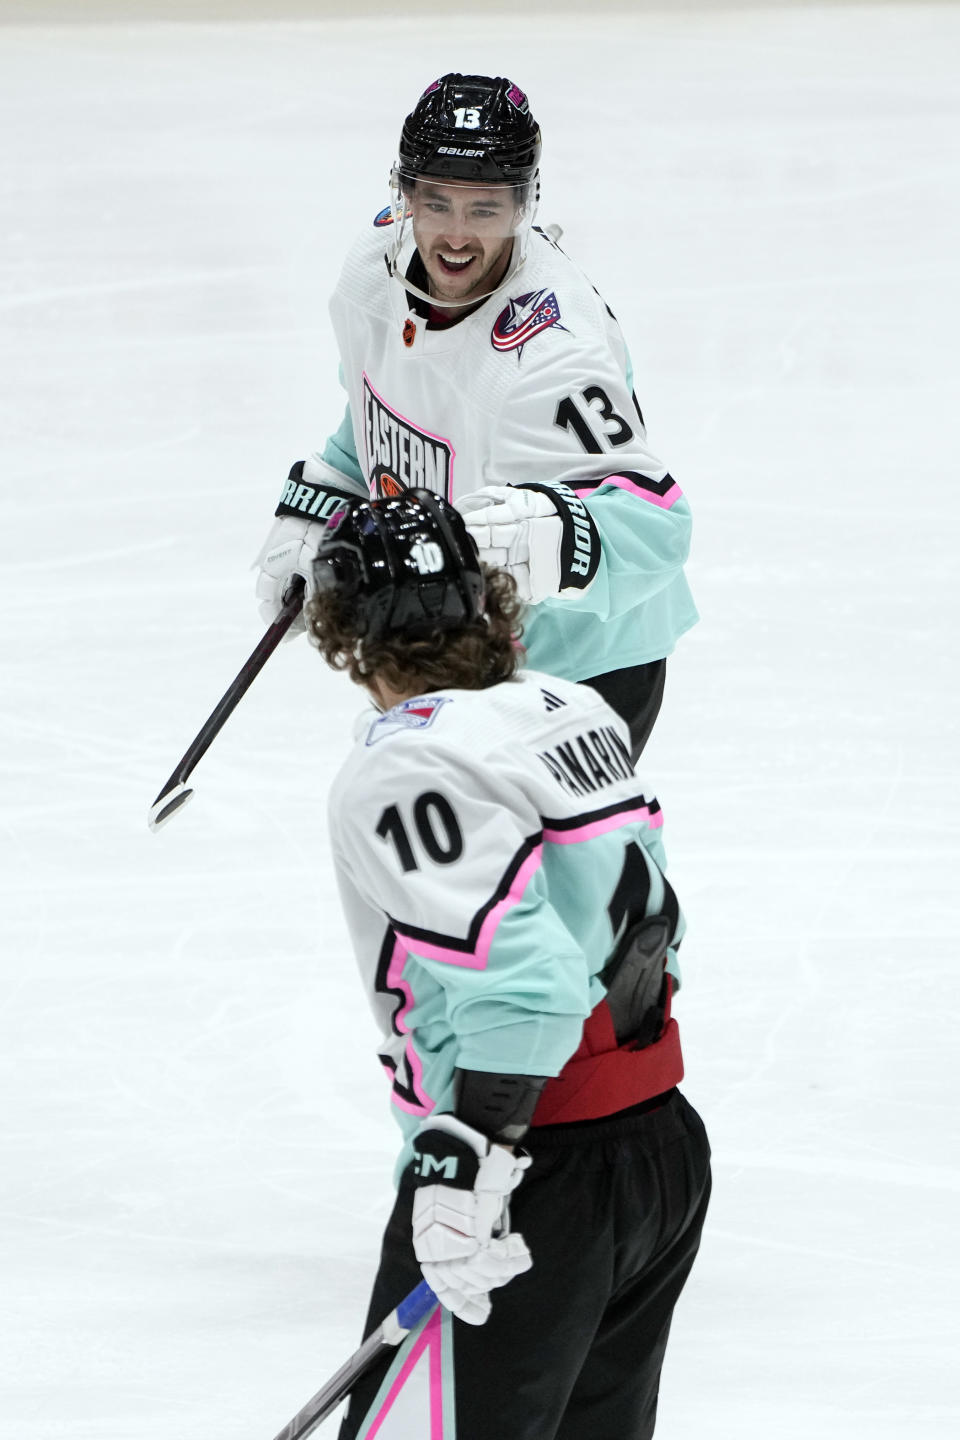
column 471, row 132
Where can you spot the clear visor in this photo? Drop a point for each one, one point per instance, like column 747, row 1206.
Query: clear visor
column 458, row 224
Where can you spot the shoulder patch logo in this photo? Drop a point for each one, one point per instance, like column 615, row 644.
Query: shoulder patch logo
column 524, row 318
column 385, row 217
column 415, row 714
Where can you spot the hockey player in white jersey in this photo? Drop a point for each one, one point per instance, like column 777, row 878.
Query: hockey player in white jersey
column 480, row 363
column 502, row 875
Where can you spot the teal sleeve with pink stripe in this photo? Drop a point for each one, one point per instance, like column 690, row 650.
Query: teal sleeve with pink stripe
column 517, row 1001
column 644, row 527
column 640, row 595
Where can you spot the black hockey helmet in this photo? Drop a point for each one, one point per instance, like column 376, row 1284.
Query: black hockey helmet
column 406, row 565
column 472, row 128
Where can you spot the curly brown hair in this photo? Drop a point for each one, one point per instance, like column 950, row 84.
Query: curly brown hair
column 479, row 654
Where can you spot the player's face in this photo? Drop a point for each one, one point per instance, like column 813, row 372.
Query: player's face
column 464, row 234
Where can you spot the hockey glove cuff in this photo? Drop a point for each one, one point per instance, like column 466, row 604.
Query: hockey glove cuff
column 313, row 493
column 461, row 1223
column 543, row 535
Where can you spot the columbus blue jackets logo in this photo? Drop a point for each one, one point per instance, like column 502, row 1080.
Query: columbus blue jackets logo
column 524, row 318
column 414, row 714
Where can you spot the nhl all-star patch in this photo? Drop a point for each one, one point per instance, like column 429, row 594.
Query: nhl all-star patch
column 385, row 217
column 524, row 318
column 415, row 714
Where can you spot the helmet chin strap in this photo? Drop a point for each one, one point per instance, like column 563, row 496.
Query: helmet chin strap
column 517, row 260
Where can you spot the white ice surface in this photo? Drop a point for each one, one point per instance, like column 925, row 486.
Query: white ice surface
column 196, row 1150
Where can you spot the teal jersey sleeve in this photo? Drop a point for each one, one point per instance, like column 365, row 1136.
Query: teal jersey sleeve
column 340, row 450
column 641, row 553
column 640, row 593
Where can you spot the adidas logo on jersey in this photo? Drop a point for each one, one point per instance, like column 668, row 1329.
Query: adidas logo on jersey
column 551, row 701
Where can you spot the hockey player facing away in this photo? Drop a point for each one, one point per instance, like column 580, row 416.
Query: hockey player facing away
column 479, row 362
column 502, row 877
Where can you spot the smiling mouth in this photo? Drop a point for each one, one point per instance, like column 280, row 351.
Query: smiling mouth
column 454, row 264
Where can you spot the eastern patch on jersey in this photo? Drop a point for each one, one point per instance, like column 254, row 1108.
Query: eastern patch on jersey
column 580, row 543
column 399, row 455
column 415, row 714
column 385, row 217
column 524, row 318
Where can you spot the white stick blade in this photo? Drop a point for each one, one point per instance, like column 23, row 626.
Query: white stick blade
column 167, row 805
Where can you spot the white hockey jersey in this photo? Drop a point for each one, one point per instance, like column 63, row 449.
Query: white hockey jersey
column 534, row 385
column 490, row 847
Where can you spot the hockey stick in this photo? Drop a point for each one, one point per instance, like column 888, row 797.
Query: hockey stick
column 395, row 1328
column 176, row 792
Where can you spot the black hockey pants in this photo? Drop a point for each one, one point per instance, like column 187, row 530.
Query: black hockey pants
column 636, row 694
column 612, row 1211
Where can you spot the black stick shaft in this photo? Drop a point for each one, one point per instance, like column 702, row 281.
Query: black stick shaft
column 336, row 1390
column 214, row 724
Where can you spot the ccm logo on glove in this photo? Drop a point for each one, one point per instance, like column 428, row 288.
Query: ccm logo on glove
column 461, row 1218
column 443, row 1157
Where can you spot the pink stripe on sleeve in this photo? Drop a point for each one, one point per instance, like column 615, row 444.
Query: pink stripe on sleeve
column 476, row 959
column 395, row 981
column 593, row 828
column 623, row 482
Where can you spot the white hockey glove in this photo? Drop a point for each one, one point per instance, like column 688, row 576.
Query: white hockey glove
column 543, row 535
column 461, row 1222
column 289, row 550
column 312, row 494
